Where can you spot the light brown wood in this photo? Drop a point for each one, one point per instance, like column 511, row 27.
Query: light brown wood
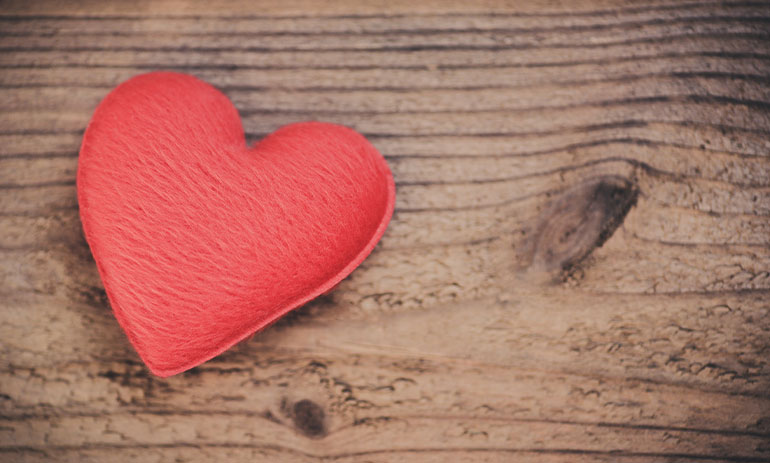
column 578, row 268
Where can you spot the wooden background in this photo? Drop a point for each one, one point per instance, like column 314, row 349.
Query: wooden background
column 577, row 269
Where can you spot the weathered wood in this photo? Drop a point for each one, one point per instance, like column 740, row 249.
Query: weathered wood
column 578, row 268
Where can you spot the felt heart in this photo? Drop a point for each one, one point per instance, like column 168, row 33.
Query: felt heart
column 201, row 241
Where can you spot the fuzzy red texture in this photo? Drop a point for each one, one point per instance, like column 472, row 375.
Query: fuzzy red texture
column 201, row 241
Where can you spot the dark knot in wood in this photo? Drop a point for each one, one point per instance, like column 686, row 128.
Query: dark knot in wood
column 309, row 418
column 579, row 221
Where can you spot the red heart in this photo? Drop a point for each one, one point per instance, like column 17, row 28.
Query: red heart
column 201, row 241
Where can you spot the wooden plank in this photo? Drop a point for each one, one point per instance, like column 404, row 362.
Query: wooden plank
column 577, row 270
column 302, row 8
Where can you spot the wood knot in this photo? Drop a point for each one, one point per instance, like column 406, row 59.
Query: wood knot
column 578, row 222
column 309, row 418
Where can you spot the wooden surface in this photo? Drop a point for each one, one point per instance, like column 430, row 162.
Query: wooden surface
column 577, row 269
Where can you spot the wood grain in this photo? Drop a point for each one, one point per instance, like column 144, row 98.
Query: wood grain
column 578, row 267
